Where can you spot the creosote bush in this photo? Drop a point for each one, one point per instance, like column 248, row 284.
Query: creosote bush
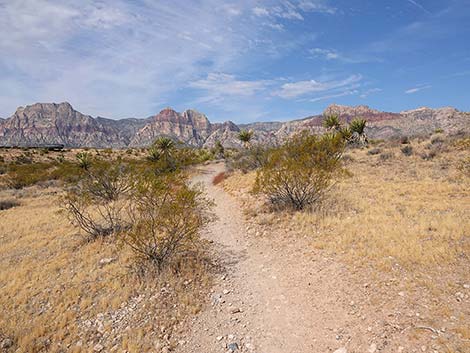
column 166, row 216
column 158, row 215
column 96, row 203
column 250, row 158
column 300, row 172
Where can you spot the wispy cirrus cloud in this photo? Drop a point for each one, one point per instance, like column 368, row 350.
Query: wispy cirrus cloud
column 370, row 91
column 222, row 84
column 418, row 5
column 417, row 89
column 294, row 10
column 334, row 55
column 337, row 95
column 301, row 88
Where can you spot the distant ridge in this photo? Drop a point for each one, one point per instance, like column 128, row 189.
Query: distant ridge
column 58, row 123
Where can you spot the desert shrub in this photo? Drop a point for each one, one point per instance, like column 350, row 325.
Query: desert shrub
column 218, row 150
column 374, row 151
column 464, row 167
column 166, row 215
column 66, row 171
column 386, row 156
column 25, row 158
column 60, row 158
column 438, row 131
column 201, row 155
column 404, row 140
column 407, row 150
column 7, row 204
column 219, row 178
column 84, row 160
column 23, row 175
column 96, row 203
column 300, row 172
column 375, row 142
column 437, row 139
column 251, row 158
column 429, row 155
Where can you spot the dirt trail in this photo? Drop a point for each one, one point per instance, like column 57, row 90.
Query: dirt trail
column 274, row 297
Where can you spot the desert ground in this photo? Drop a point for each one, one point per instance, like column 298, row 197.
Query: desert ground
column 380, row 266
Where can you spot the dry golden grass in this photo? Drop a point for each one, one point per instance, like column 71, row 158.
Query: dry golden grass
column 405, row 221
column 54, row 289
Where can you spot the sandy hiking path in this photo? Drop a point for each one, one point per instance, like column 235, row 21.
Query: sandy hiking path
column 274, row 296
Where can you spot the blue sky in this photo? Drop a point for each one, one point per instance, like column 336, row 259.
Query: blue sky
column 238, row 60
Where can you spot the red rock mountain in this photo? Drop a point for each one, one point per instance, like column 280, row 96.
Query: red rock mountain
column 50, row 123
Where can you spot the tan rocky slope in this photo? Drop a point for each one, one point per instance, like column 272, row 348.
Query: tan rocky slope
column 50, row 123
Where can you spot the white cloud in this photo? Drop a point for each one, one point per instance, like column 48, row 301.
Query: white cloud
column 292, row 10
column 302, row 88
column 341, row 94
column 324, row 53
column 224, row 84
column 260, row 11
column 417, row 89
column 368, row 92
column 316, row 6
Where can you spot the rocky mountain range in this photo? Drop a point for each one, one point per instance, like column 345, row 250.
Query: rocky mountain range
column 51, row 123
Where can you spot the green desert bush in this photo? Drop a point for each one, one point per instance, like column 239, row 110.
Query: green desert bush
column 218, row 150
column 248, row 159
column 300, row 172
column 84, row 160
column 19, row 176
column 166, row 215
column 23, row 175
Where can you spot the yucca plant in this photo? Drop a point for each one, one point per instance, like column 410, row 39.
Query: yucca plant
column 345, row 133
column 162, row 153
column 164, row 145
column 84, row 160
column 331, row 122
column 358, row 125
column 245, row 137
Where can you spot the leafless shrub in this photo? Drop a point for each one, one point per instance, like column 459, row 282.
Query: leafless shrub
column 386, row 156
column 7, row 204
column 97, row 202
column 374, row 151
column 407, row 150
